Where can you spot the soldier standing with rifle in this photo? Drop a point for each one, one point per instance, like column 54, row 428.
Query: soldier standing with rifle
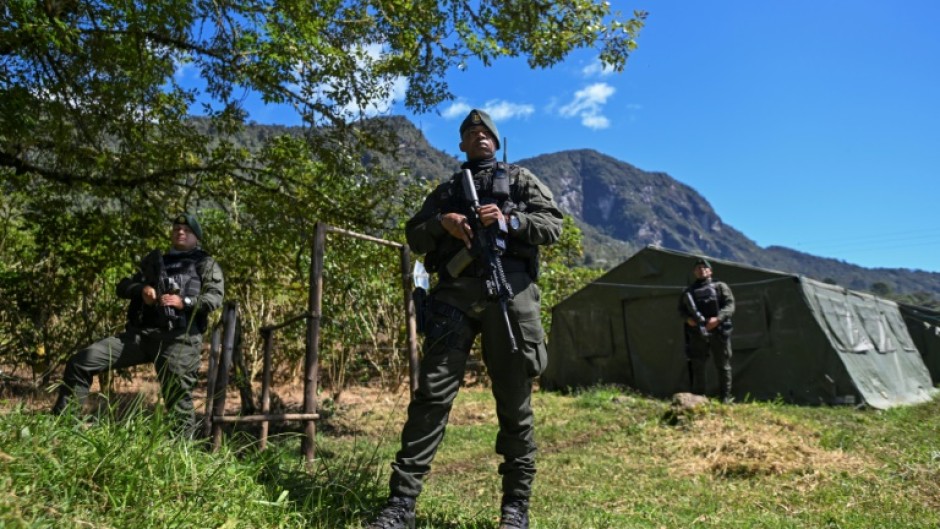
column 480, row 231
column 707, row 306
column 171, row 297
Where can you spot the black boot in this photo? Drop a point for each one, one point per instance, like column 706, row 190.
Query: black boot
column 398, row 513
column 515, row 513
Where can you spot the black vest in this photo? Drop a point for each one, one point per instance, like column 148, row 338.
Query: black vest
column 185, row 270
column 494, row 185
column 706, row 298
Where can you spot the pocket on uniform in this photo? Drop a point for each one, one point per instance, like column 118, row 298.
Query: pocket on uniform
column 534, row 350
column 440, row 335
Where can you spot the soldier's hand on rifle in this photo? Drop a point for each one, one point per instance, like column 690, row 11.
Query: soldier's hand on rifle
column 489, row 213
column 691, row 322
column 712, row 323
column 149, row 295
column 171, row 300
column 457, row 226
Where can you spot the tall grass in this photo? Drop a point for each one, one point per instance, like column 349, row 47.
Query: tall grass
column 135, row 472
column 607, row 459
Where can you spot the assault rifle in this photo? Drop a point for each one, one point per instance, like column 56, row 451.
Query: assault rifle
column 487, row 245
column 698, row 315
column 155, row 275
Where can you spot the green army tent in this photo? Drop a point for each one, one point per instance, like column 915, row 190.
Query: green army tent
column 795, row 338
column 924, row 326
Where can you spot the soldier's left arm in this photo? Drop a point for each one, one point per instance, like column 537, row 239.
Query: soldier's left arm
column 726, row 302
column 541, row 221
column 213, row 286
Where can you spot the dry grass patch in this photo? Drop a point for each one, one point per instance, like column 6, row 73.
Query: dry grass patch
column 717, row 445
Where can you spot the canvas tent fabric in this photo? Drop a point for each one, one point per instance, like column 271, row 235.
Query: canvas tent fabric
column 924, row 326
column 795, row 338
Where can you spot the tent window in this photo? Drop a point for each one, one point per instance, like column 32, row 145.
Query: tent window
column 875, row 324
column 843, row 323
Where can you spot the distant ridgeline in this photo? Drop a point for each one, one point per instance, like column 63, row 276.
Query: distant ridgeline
column 622, row 209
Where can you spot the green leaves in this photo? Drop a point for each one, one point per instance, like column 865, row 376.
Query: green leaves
column 99, row 145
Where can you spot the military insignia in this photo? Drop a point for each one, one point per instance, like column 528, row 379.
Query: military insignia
column 180, row 220
column 475, row 119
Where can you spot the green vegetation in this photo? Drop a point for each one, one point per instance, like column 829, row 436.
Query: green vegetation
column 99, row 148
column 608, row 460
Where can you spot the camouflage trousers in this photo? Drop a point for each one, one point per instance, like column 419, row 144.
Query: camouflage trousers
column 175, row 357
column 447, row 345
column 700, row 349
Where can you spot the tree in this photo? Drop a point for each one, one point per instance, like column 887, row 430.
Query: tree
column 880, row 288
column 98, row 144
column 88, row 93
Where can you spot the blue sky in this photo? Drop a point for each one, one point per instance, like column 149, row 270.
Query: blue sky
column 808, row 124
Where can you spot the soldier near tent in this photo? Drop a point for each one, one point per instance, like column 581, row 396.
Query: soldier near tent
column 707, row 306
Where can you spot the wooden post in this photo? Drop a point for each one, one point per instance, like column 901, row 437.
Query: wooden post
column 268, row 335
column 410, row 324
column 311, row 367
column 228, row 344
column 214, row 344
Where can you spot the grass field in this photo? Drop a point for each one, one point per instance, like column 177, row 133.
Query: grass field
column 607, row 459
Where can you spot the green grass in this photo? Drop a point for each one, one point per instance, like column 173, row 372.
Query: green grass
column 607, row 459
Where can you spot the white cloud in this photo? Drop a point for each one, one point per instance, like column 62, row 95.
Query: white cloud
column 503, row 110
column 456, row 110
column 183, row 69
column 597, row 68
column 497, row 109
column 595, row 122
column 588, row 105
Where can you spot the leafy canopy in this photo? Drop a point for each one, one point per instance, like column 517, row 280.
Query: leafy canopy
column 89, row 91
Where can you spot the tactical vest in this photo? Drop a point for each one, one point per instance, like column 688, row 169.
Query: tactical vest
column 186, row 270
column 519, row 256
column 706, row 298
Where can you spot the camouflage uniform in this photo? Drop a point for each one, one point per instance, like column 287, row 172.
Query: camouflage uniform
column 712, row 299
column 460, row 310
column 174, row 345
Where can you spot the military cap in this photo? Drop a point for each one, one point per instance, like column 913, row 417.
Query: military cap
column 702, row 261
column 479, row 117
column 189, row 219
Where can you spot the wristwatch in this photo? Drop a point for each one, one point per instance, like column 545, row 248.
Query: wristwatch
column 514, row 222
column 187, row 302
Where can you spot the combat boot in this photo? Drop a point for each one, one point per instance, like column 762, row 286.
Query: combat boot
column 515, row 513
column 398, row 513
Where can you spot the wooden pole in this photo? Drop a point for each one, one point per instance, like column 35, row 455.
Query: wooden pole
column 228, row 345
column 311, row 367
column 214, row 344
column 268, row 335
column 410, row 324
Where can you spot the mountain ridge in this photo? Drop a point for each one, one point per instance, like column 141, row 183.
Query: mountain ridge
column 621, row 208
